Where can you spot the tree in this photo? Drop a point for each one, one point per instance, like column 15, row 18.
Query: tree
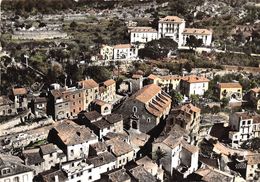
column 158, row 155
column 157, row 49
column 224, row 102
column 194, row 99
column 188, row 67
column 177, row 97
column 193, row 42
column 73, row 25
column 98, row 73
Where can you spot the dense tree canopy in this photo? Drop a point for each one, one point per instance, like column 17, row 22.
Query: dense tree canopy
column 157, row 49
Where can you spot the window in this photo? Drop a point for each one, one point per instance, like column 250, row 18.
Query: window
column 89, row 170
column 72, row 176
column 50, row 154
column 16, row 179
column 90, row 177
column 243, row 122
column 73, row 96
column 148, row 120
column 134, row 109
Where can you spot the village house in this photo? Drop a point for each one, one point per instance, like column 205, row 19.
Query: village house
column 244, row 126
column 141, row 35
column 104, row 108
column 119, row 175
column 247, row 165
column 181, row 158
column 204, row 34
column 19, row 97
column 7, row 106
column 33, row 159
column 12, row 169
column 167, row 83
column 188, row 117
column 145, row 109
column 39, row 106
column 254, row 98
column 70, row 171
column 107, row 91
column 139, row 173
column 119, row 52
column 229, row 90
column 194, row 85
column 252, row 167
column 121, row 149
column 103, row 163
column 91, row 91
column 209, row 174
column 65, row 102
column 72, row 139
column 150, row 166
column 101, row 125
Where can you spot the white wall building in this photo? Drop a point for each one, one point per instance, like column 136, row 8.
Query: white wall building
column 179, row 154
column 204, row 34
column 171, row 27
column 244, row 126
column 194, row 85
column 124, row 51
column 142, row 35
column 119, row 52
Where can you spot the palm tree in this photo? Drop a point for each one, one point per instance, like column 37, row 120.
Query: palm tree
column 158, row 155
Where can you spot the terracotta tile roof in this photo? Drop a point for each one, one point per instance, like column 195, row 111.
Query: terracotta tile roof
column 253, row 159
column 119, row 176
column 171, row 77
column 99, row 102
column 119, row 147
column 175, row 19
column 122, row 46
column 229, row 85
column 194, row 79
column 249, row 115
column 172, row 142
column 109, row 82
column 190, row 148
column 196, row 31
column 152, row 77
column 20, row 91
column 158, row 105
column 189, row 108
column 102, row 159
column 146, row 93
column 143, row 29
column 32, row 156
column 48, row 148
column 88, row 84
column 99, row 147
column 256, row 90
column 141, row 174
column 71, row 133
column 114, row 118
column 135, row 76
column 101, row 124
column 92, row 115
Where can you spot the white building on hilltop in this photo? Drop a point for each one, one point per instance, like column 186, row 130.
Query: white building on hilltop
column 142, row 34
column 170, row 27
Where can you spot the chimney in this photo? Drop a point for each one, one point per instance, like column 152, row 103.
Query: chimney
column 56, row 178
